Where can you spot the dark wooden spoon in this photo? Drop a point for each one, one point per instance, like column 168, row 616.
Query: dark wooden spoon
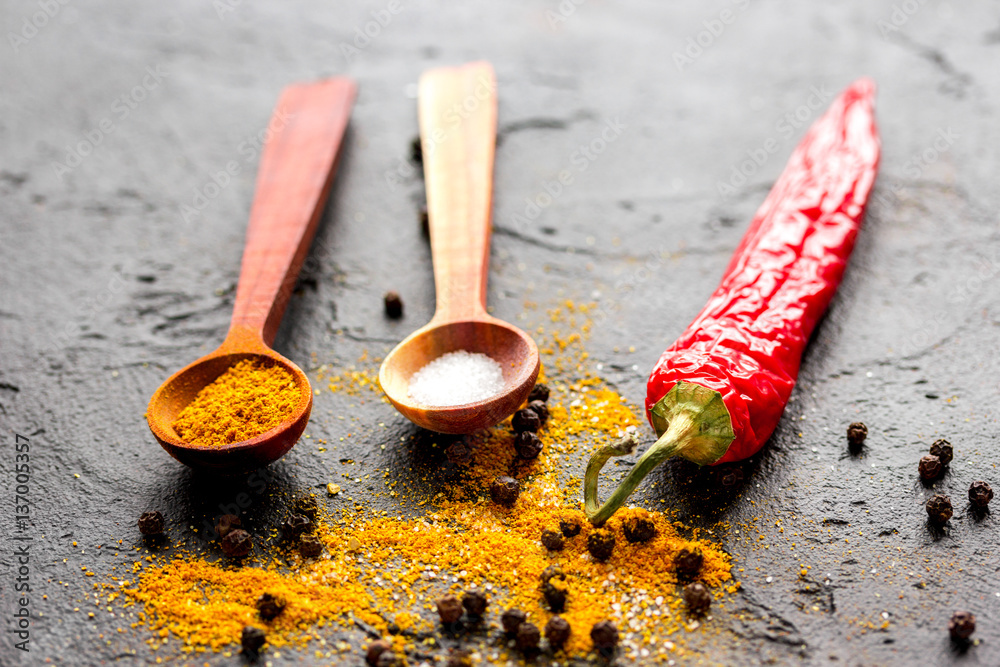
column 297, row 166
column 458, row 129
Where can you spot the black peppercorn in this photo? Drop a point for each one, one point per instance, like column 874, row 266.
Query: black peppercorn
column 227, row 523
column 252, row 639
column 528, row 637
column 570, row 527
column 638, row 529
column 459, row 454
column 939, row 508
column 307, row 507
column 237, row 543
column 943, row 450
column 856, row 434
column 697, row 598
column 449, row 609
column 539, row 392
column 425, row 221
column 688, row 564
column 552, row 540
column 295, row 525
column 475, row 603
column 389, row 659
column 310, row 546
column 540, row 409
column 528, row 445
column 270, row 606
column 512, row 620
column 393, row 305
column 416, row 151
column 555, row 596
column 376, row 649
column 557, row 632
column 505, row 490
column 600, row 544
column 604, row 634
column 962, row 625
column 525, row 420
column 980, row 494
column 929, row 467
column 151, row 523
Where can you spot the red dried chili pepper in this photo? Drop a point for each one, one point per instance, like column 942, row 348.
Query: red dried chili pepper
column 717, row 394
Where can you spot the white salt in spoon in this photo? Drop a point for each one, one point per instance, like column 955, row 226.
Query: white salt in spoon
column 458, row 128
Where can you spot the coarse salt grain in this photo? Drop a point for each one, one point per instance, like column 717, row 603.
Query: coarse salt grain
column 457, row 378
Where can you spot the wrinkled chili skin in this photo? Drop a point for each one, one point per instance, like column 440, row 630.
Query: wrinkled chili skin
column 747, row 342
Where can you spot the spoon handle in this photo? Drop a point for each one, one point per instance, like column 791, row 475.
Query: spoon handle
column 297, row 165
column 458, row 130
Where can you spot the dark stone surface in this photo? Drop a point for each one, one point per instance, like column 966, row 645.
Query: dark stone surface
column 106, row 287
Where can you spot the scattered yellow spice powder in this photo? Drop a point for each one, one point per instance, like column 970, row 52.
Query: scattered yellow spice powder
column 251, row 397
column 403, row 566
column 353, row 381
column 379, row 570
column 397, row 568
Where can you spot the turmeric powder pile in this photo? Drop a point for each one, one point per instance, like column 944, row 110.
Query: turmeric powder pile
column 251, row 397
column 383, row 572
column 379, row 571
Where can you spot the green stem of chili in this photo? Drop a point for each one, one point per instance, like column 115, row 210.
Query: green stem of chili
column 682, row 430
column 693, row 423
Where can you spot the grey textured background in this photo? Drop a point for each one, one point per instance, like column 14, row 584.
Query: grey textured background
column 106, row 288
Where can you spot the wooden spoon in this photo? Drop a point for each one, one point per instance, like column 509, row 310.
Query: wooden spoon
column 458, row 129
column 296, row 170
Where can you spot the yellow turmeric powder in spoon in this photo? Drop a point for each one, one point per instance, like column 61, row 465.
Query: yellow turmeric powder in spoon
column 249, row 399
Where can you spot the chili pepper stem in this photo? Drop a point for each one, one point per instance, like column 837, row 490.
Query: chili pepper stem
column 697, row 427
column 669, row 444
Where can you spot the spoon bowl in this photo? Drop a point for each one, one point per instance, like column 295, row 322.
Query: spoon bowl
column 296, row 170
column 507, row 345
column 181, row 388
column 458, row 155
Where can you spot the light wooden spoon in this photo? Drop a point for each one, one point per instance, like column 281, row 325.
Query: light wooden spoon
column 458, row 129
